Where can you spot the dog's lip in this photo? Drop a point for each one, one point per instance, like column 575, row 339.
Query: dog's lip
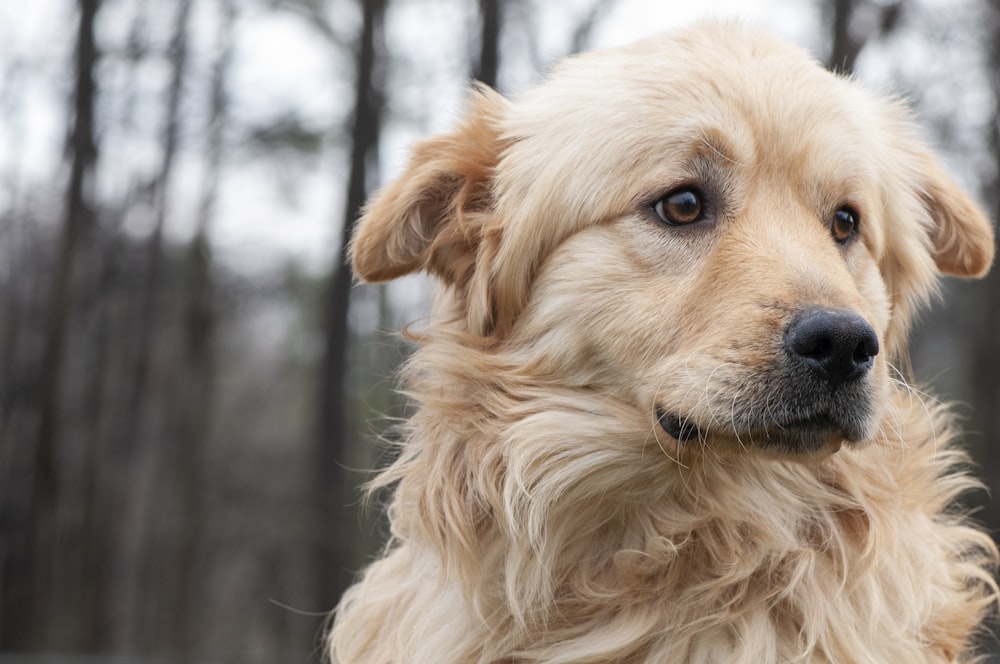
column 683, row 428
column 821, row 420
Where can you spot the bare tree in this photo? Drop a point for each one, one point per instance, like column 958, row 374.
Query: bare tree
column 149, row 306
column 488, row 68
column 985, row 388
column 334, row 556
column 38, row 567
column 847, row 41
column 585, row 28
column 153, row 539
column 192, row 394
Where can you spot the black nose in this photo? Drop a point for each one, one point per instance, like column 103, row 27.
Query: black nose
column 837, row 345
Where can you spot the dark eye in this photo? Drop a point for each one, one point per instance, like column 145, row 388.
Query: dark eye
column 680, row 207
column 844, row 225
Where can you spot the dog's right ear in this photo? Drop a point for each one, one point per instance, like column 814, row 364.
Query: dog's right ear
column 432, row 216
column 962, row 236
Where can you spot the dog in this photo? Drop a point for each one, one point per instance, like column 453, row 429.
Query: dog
column 661, row 405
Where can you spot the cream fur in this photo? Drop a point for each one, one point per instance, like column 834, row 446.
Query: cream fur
column 538, row 511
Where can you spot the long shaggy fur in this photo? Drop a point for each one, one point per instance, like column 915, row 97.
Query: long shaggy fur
column 538, row 512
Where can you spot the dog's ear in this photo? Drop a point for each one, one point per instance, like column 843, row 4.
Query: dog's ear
column 961, row 236
column 431, row 217
column 956, row 237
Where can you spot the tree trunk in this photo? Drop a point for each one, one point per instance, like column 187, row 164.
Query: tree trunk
column 38, row 567
column 193, row 394
column 147, row 562
column 89, row 561
column 149, row 306
column 489, row 42
column 844, row 48
column 845, row 45
column 335, row 559
column 984, row 360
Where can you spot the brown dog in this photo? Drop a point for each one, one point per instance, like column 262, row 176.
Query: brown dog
column 660, row 411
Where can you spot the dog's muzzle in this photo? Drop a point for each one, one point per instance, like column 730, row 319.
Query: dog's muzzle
column 816, row 393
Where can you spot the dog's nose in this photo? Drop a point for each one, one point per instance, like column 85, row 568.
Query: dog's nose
column 836, row 344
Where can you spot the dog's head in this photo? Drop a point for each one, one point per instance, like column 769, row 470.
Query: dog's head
column 707, row 226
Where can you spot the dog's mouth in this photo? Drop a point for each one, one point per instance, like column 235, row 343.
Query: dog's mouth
column 795, row 434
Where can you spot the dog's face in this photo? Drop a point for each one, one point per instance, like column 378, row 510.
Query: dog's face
column 707, row 227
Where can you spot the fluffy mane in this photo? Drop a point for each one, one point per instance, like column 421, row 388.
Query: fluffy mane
column 528, row 526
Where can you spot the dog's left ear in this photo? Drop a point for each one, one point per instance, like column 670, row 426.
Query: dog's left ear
column 961, row 237
column 431, row 218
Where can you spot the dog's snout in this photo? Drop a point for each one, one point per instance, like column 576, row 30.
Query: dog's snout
column 836, row 344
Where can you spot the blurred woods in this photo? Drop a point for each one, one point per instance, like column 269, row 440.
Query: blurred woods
column 184, row 418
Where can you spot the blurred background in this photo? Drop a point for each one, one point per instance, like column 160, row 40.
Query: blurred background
column 189, row 386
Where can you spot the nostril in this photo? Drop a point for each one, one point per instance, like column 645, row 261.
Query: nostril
column 836, row 344
column 867, row 349
column 812, row 345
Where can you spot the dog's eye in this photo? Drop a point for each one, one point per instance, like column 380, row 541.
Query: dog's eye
column 680, row 207
column 844, row 225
